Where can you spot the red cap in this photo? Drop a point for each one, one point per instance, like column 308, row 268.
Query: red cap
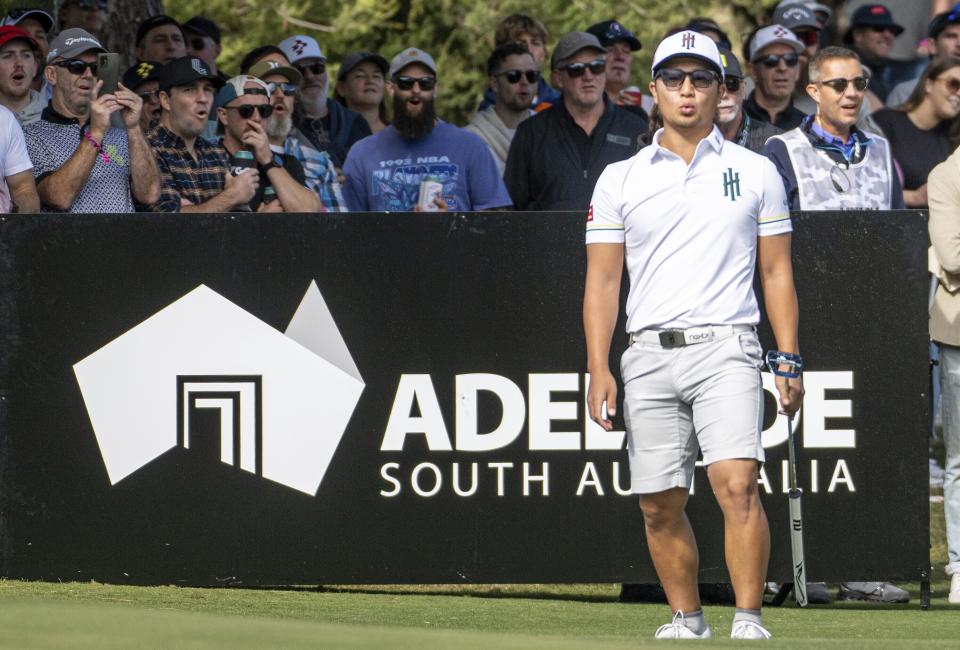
column 10, row 33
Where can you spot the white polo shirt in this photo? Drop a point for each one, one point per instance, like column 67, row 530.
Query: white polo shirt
column 689, row 232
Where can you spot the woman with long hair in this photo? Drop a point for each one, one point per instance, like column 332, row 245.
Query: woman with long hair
column 925, row 130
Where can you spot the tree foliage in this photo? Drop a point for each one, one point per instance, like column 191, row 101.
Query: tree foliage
column 457, row 33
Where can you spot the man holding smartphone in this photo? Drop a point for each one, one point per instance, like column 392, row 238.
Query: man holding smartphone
column 691, row 376
column 81, row 164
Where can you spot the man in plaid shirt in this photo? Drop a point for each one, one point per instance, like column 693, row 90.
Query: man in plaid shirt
column 195, row 173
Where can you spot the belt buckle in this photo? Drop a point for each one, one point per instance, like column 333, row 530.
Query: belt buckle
column 672, row 339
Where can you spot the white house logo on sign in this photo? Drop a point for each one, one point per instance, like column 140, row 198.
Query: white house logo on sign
column 284, row 399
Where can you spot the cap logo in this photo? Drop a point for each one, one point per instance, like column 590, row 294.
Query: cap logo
column 780, row 32
column 616, row 28
column 197, row 65
column 688, row 40
column 794, row 12
column 878, row 10
column 144, row 70
column 299, row 46
column 723, row 59
column 79, row 39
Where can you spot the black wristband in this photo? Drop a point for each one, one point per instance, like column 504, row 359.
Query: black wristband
column 270, row 165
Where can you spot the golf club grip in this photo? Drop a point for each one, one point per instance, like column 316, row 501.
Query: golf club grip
column 796, row 546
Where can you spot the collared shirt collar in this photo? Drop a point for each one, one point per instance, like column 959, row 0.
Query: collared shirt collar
column 50, row 114
column 714, row 140
column 850, row 149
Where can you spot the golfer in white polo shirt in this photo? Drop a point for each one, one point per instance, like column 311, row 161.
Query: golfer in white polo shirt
column 692, row 213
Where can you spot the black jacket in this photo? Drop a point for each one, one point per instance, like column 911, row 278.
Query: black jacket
column 554, row 165
column 345, row 128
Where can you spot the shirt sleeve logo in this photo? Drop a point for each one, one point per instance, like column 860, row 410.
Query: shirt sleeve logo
column 590, row 214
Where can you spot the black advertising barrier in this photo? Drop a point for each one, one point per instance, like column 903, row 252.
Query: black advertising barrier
column 177, row 388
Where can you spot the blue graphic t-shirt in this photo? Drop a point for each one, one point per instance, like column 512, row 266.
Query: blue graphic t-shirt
column 383, row 171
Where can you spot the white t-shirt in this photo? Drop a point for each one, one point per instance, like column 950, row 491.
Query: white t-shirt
column 13, row 154
column 690, row 232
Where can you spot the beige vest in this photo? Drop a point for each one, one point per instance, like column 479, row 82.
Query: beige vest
column 943, row 192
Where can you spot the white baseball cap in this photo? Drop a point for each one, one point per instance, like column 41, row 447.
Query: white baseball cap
column 297, row 48
column 772, row 34
column 687, row 44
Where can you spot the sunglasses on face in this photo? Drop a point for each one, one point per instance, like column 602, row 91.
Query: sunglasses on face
column 315, row 69
column 882, row 28
column 952, row 84
column 673, row 78
column 840, row 85
column 77, row 66
column 575, row 70
column 246, row 110
column 513, row 76
column 91, row 4
column 773, row 60
column 287, row 88
column 406, row 83
column 732, row 83
column 152, row 96
column 197, row 43
column 808, row 36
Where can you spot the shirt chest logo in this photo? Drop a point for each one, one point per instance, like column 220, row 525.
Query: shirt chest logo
column 731, row 184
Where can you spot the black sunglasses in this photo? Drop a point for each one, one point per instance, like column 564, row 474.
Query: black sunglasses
column 673, row 78
column 575, row 70
column 153, row 95
column 732, row 83
column 77, row 66
column 513, row 76
column 315, row 69
column 288, row 89
column 840, row 85
column 406, row 83
column 246, row 110
column 773, row 60
column 882, row 28
column 197, row 43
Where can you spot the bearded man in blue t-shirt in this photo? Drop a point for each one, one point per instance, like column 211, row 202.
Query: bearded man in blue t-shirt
column 383, row 171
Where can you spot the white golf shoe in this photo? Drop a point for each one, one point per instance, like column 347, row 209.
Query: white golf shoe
column 954, row 597
column 677, row 629
column 748, row 630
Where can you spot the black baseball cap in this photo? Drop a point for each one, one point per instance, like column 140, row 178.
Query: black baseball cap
column 702, row 24
column 141, row 73
column 941, row 21
column 610, row 31
column 354, row 59
column 731, row 65
column 152, row 22
column 185, row 70
column 203, row 26
column 875, row 15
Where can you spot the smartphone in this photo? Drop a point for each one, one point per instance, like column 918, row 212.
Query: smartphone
column 108, row 70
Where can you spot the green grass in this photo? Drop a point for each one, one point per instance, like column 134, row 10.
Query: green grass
column 75, row 615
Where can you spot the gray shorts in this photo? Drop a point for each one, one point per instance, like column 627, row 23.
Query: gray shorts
column 706, row 397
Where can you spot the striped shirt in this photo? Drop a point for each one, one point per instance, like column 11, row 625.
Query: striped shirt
column 689, row 231
column 183, row 177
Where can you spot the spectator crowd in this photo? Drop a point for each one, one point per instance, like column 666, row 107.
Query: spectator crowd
column 852, row 119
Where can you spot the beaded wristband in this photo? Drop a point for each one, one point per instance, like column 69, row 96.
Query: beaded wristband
column 96, row 145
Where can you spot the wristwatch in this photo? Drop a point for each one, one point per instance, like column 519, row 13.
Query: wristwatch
column 270, row 165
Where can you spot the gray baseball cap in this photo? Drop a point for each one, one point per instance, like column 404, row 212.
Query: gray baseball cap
column 571, row 43
column 411, row 55
column 796, row 16
column 73, row 42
